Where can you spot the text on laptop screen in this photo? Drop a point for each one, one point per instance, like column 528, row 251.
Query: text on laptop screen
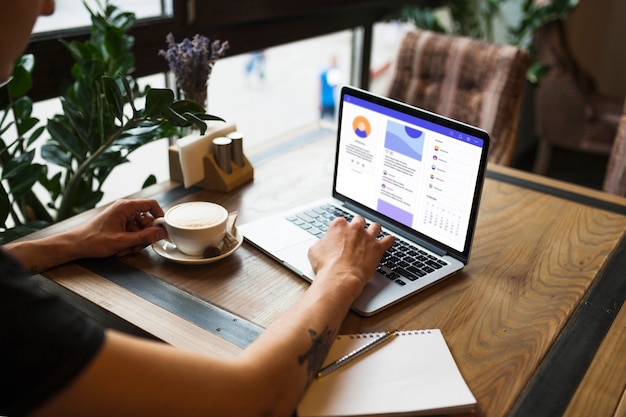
column 421, row 174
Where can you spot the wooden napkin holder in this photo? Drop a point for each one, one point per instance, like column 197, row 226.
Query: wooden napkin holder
column 214, row 177
column 218, row 180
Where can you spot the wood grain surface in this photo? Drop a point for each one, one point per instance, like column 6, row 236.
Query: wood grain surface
column 535, row 257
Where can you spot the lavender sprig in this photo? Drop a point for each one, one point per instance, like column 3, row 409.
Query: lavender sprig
column 192, row 61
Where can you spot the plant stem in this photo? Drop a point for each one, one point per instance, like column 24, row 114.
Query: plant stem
column 65, row 209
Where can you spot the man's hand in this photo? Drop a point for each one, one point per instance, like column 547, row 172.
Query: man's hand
column 123, row 228
column 350, row 249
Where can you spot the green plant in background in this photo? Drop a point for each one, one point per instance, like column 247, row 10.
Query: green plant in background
column 475, row 18
column 100, row 126
column 421, row 17
column 18, row 132
column 533, row 16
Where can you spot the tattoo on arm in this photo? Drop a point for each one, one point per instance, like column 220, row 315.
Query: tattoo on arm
column 314, row 357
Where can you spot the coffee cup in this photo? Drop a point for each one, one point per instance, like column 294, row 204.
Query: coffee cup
column 195, row 226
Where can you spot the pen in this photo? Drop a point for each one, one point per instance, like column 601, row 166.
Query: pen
column 346, row 359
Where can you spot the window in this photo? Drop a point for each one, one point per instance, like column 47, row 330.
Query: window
column 293, row 42
column 72, row 13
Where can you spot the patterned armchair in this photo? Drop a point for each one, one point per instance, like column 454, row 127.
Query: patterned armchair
column 473, row 81
column 570, row 111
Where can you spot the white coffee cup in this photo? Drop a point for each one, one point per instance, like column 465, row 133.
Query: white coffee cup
column 195, row 226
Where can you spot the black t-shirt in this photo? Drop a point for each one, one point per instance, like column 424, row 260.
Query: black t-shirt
column 44, row 342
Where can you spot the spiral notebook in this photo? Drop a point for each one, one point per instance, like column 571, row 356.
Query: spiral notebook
column 414, row 374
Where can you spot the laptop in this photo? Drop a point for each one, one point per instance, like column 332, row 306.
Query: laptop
column 418, row 174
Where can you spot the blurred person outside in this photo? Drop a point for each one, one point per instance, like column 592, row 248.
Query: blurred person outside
column 330, row 78
column 255, row 67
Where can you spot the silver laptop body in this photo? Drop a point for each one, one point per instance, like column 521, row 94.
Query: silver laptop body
column 418, row 174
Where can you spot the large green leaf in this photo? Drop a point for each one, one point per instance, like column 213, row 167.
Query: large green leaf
column 158, row 100
column 124, row 20
column 130, row 96
column 22, row 107
column 87, row 201
column 203, row 116
column 196, row 121
column 21, row 82
column 55, row 155
column 22, row 110
column 113, row 95
column 151, row 180
column 114, row 41
column 184, row 106
column 139, row 136
column 79, row 51
column 24, row 180
column 13, row 166
column 124, row 65
column 35, row 135
column 109, row 159
column 66, row 138
column 26, row 125
column 174, row 118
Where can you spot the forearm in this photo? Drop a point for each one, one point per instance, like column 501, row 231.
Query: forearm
column 122, row 228
column 268, row 378
column 292, row 349
column 289, row 353
column 41, row 254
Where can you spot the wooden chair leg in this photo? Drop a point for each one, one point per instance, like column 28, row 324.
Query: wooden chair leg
column 542, row 158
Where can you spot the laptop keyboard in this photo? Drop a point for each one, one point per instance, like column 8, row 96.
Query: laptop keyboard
column 402, row 262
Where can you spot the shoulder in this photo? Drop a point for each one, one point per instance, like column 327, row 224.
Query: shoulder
column 45, row 342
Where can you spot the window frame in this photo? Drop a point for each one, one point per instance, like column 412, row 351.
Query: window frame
column 248, row 25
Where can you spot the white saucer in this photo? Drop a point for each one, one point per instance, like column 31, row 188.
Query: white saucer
column 169, row 251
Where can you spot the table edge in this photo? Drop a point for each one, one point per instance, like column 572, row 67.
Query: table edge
column 558, row 376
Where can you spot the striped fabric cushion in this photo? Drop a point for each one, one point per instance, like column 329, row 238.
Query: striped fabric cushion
column 476, row 82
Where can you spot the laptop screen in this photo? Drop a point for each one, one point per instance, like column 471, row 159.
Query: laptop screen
column 419, row 170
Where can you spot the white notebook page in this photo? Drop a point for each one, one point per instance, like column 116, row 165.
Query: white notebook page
column 413, row 374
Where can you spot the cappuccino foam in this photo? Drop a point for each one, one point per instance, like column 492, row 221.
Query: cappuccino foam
column 196, row 215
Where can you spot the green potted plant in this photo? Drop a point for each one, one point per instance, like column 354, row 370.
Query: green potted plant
column 19, row 130
column 100, row 126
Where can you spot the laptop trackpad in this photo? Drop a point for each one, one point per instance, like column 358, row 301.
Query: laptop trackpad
column 295, row 257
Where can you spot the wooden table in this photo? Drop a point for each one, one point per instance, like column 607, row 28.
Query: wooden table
column 534, row 320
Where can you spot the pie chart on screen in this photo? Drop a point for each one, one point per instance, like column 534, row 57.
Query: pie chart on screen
column 361, row 126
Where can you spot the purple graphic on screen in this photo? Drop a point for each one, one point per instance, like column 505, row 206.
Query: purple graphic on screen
column 395, row 213
column 405, row 140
